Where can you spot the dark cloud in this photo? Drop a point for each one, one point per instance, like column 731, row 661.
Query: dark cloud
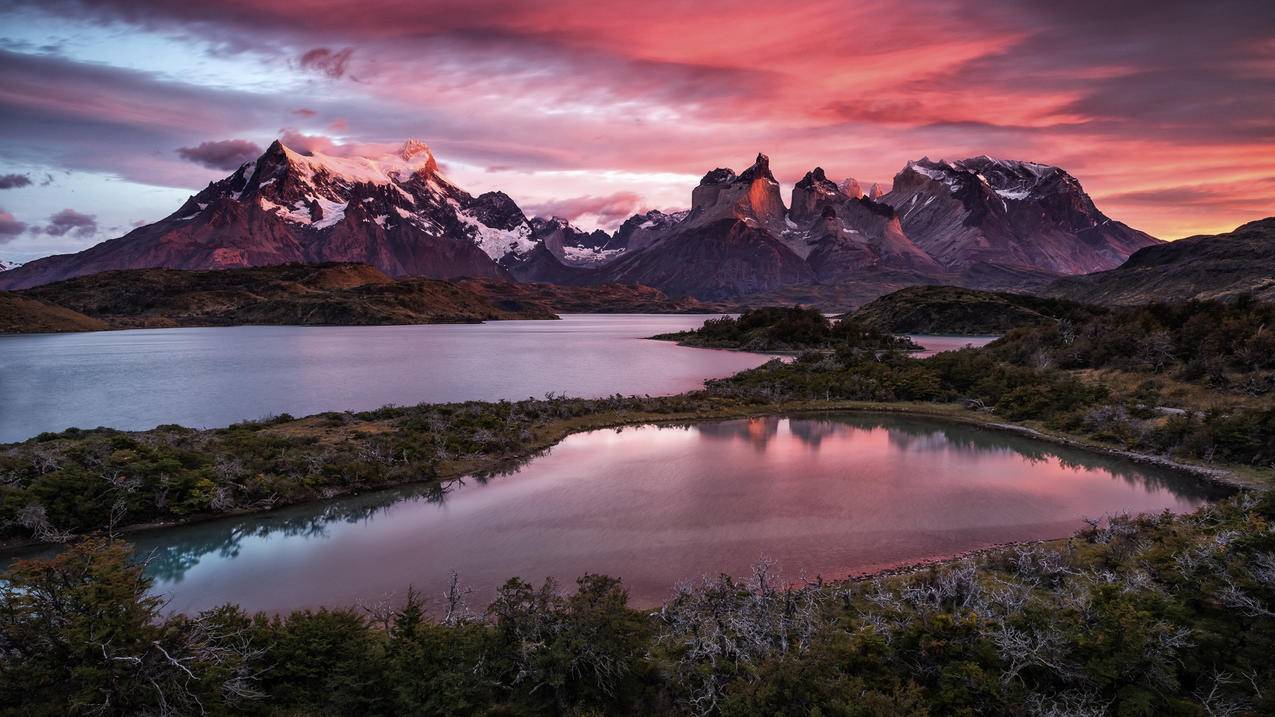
column 225, row 154
column 101, row 119
column 609, row 210
column 9, row 226
column 332, row 63
column 305, row 112
column 70, row 221
column 13, row 181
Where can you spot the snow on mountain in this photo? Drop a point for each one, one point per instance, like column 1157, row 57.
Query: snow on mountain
column 1009, row 213
column 396, row 212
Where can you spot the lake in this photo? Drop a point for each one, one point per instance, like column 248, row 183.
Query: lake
column 203, row 377
column 830, row 496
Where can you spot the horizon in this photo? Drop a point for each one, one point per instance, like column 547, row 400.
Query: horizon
column 114, row 112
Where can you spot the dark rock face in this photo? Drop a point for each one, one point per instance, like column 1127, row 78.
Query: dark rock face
column 396, row 214
column 752, row 196
column 1220, row 266
column 640, row 230
column 846, row 234
column 722, row 259
column 1015, row 214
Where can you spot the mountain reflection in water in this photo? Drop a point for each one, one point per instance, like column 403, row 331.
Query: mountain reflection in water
column 832, row 495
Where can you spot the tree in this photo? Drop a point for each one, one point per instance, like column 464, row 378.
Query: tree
column 80, row 634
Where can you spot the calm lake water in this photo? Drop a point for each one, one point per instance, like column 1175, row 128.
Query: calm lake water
column 216, row 376
column 832, row 496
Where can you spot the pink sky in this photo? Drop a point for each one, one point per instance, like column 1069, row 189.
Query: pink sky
column 1163, row 110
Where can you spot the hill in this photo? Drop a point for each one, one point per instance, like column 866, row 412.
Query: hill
column 23, row 314
column 594, row 299
column 309, row 295
column 954, row 310
column 794, row 330
column 293, row 294
column 1220, row 266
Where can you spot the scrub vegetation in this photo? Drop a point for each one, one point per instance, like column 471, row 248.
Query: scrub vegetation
column 1143, row 615
column 789, row 330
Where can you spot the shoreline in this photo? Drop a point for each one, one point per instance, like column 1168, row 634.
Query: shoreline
column 554, row 433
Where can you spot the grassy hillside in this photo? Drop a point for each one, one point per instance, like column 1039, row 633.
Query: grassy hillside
column 312, row 295
column 954, row 310
column 598, row 299
column 325, row 294
column 24, row 314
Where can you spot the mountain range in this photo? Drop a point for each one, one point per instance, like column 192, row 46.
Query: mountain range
column 980, row 222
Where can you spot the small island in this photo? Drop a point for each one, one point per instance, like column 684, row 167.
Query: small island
column 957, row 311
column 790, row 330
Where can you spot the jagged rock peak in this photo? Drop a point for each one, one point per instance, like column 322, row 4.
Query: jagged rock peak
column 850, row 187
column 817, row 181
column 875, row 192
column 759, row 170
column 414, row 148
column 721, row 175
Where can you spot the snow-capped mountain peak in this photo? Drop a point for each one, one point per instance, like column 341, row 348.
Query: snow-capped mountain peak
column 412, row 159
column 7, row 265
column 1009, row 213
column 1010, row 179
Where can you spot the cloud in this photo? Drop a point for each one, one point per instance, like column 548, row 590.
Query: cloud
column 13, row 181
column 328, row 62
column 9, row 226
column 85, row 116
column 69, row 220
column 609, row 210
column 309, row 144
column 224, row 154
column 668, row 88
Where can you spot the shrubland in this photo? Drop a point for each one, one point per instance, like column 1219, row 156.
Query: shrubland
column 1145, row 615
column 1136, row 615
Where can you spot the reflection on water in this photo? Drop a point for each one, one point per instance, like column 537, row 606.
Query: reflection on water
column 831, row 496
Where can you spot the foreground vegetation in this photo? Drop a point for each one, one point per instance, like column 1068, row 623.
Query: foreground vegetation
column 1192, row 382
column 1153, row 615
column 1149, row 615
column 790, row 330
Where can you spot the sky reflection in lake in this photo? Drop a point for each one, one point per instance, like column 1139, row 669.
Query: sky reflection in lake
column 828, row 496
